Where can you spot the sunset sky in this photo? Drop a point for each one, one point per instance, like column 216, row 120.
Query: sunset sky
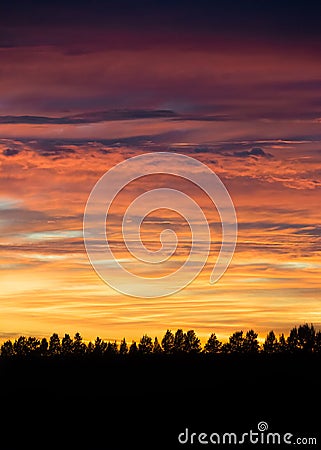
column 234, row 84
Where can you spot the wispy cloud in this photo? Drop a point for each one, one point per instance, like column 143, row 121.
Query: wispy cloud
column 91, row 117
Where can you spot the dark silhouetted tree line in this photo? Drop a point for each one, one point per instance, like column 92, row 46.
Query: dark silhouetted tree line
column 302, row 339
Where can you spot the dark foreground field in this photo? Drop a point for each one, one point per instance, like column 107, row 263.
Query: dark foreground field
column 146, row 402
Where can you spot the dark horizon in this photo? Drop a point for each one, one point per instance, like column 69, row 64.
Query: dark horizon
column 303, row 338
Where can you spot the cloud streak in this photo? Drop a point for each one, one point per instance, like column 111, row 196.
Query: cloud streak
column 86, row 118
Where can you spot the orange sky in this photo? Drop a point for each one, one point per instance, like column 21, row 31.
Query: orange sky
column 48, row 283
column 72, row 105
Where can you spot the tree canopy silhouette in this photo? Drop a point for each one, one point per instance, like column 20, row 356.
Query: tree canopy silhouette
column 303, row 339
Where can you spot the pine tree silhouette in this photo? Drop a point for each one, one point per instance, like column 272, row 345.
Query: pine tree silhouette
column 145, row 345
column 192, row 343
column 168, row 342
column 123, row 348
column 54, row 345
column 271, row 345
column 157, row 349
column 250, row 342
column 213, row 345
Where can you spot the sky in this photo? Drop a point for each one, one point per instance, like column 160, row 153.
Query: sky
column 84, row 86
